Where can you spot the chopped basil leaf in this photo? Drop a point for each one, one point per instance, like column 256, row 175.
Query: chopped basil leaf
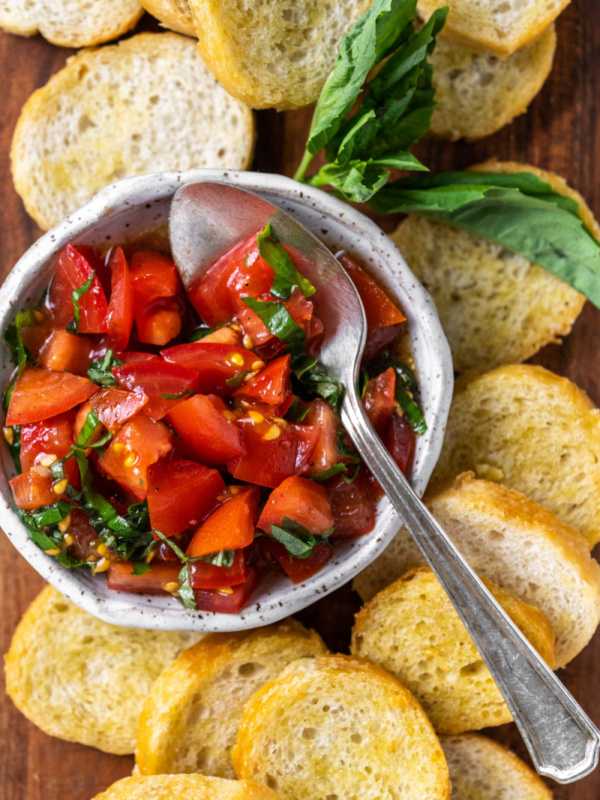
column 237, row 380
column 13, row 339
column 297, row 411
column 174, row 547
column 140, row 568
column 297, row 540
column 287, row 278
column 100, row 371
column 186, row 593
column 178, row 396
column 317, row 382
column 73, row 326
column 407, row 388
column 363, row 379
column 15, row 446
column 278, row 321
column 201, row 331
column 222, row 558
column 329, row 473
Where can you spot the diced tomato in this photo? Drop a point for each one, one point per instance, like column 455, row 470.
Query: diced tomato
column 65, row 352
column 230, row 526
column 114, row 407
column 229, row 600
column 41, row 393
column 307, row 437
column 400, row 441
column 181, row 494
column 325, row 454
column 159, row 322
column 207, row 431
column 32, row 490
column 267, row 345
column 81, row 417
column 378, row 338
column 98, row 265
column 131, row 357
column 270, row 452
column 379, row 399
column 208, row 576
column 120, row 308
column 121, row 577
column 49, row 438
column 352, row 507
column 155, row 379
column 164, row 552
column 140, row 443
column 153, row 275
column 301, row 500
column 224, row 335
column 214, row 364
column 72, row 271
column 314, row 335
column 241, row 272
column 299, row 569
column 270, row 386
column 85, row 539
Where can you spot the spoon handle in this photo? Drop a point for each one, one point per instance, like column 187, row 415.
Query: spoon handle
column 562, row 740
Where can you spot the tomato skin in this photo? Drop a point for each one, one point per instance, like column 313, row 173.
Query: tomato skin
column 230, row 526
column 120, row 307
column 325, row 454
column 153, row 275
column 114, row 407
column 120, row 577
column 214, row 364
column 352, row 507
column 156, row 378
column 72, row 271
column 307, row 438
column 208, row 576
column 270, row 386
column 31, row 490
column 400, row 441
column 267, row 462
column 63, row 351
column 180, row 494
column 132, row 356
column 299, row 569
column 301, row 500
column 206, row 432
column 50, row 437
column 41, row 393
column 142, row 442
column 229, row 602
column 379, row 399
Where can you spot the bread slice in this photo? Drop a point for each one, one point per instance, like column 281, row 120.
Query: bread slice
column 190, row 719
column 184, row 787
column 532, row 431
column 174, row 14
column 516, row 543
column 144, row 105
column 481, row 769
column 70, row 23
column 479, row 93
column 339, row 727
column 81, row 679
column 273, row 52
column 499, row 28
column 496, row 307
column 411, row 629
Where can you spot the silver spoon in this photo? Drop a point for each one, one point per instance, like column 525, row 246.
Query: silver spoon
column 206, row 220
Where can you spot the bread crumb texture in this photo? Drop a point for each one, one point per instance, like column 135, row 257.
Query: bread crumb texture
column 479, row 93
column 70, row 23
column 339, row 728
column 481, row 769
column 184, row 787
column 273, row 52
column 411, row 629
column 514, row 542
column 81, row 679
column 174, row 14
column 497, row 26
column 532, row 431
column 144, row 105
column 190, row 719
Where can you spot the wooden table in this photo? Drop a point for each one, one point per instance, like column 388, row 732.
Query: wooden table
column 558, row 133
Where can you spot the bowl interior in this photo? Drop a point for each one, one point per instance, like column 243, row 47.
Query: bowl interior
column 135, row 207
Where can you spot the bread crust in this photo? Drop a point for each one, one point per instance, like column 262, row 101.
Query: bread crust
column 174, row 14
column 184, row 787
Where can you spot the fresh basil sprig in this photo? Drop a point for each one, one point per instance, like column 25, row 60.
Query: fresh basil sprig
column 73, row 326
column 287, row 278
column 100, row 371
column 297, row 540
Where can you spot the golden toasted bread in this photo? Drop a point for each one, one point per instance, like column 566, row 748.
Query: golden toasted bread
column 184, row 787
column 174, row 14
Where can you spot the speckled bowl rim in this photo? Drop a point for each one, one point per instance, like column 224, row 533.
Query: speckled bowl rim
column 145, row 197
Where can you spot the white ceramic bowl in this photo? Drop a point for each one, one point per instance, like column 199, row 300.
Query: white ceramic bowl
column 135, row 206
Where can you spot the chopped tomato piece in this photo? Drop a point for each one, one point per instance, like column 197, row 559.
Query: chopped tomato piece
column 224, row 335
column 159, row 322
column 140, row 443
column 352, row 507
column 41, row 441
column 325, row 453
column 307, row 437
column 207, row 431
column 379, row 399
column 85, row 539
column 153, row 275
column 114, row 407
column 120, row 308
column 301, row 500
column 72, row 271
column 269, row 346
column 181, row 494
column 270, row 451
column 156, row 379
column 270, row 386
column 208, row 576
column 228, row 600
column 299, row 569
column 32, row 490
column 121, row 577
column 230, row 526
column 65, row 352
column 214, row 364
column 41, row 393
column 400, row 440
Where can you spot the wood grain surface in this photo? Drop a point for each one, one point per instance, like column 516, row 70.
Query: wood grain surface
column 558, row 133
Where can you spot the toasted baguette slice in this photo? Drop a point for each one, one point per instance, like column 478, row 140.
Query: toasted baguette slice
column 516, row 543
column 411, row 629
column 184, row 787
column 144, row 105
column 81, row 679
column 496, row 307
column 481, row 769
column 479, row 93
column 174, row 14
column 499, row 28
column 340, row 727
column 273, row 53
column 70, row 23
column 190, row 719
column 532, row 431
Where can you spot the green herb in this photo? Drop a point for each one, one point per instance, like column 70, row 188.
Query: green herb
column 15, row 446
column 41, row 529
column 13, row 338
column 315, row 380
column 363, row 379
column 329, row 473
column 237, row 380
column 287, row 278
column 278, row 321
column 407, row 388
column 100, row 371
column 186, row 593
column 140, row 568
column 297, row 411
column 350, row 455
column 222, row 558
column 178, row 396
column 203, row 330
column 297, row 540
column 73, row 326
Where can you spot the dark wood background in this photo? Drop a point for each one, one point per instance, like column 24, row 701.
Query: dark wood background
column 558, row 133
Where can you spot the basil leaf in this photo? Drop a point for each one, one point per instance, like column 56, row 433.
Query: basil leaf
column 297, row 411
column 73, row 326
column 317, row 382
column 237, row 380
column 15, row 446
column 178, row 396
column 222, row 558
column 407, row 388
column 287, row 278
column 140, row 568
column 329, row 473
column 50, row 515
column 174, row 547
column 297, row 540
column 100, row 371
column 13, row 338
column 278, row 321
column 202, row 331
column 186, row 593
